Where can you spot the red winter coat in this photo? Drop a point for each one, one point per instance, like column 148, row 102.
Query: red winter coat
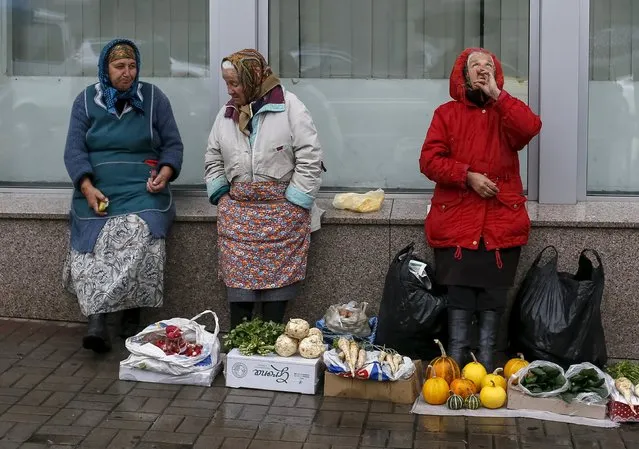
column 463, row 137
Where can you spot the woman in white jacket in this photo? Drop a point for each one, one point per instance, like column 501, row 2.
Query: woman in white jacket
column 263, row 168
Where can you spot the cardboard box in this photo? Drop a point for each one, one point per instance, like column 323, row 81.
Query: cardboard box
column 400, row 392
column 200, row 378
column 293, row 374
column 518, row 400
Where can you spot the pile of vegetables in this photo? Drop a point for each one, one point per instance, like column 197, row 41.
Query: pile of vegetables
column 298, row 336
column 626, row 375
column 353, row 354
column 469, row 387
column 585, row 381
column 254, row 337
column 173, row 343
column 543, row 379
column 627, row 369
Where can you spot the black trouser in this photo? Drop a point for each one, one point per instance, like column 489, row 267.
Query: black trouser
column 465, row 302
column 271, row 311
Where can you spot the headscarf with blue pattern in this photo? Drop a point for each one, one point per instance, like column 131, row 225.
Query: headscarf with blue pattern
column 109, row 93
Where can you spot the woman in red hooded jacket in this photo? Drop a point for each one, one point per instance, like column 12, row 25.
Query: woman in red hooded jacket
column 478, row 221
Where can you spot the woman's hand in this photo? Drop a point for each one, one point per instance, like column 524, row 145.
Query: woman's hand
column 481, row 184
column 158, row 181
column 93, row 195
column 488, row 85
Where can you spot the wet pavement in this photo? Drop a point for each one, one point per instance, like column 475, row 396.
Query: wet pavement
column 54, row 394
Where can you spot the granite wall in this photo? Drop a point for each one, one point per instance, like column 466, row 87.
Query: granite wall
column 348, row 260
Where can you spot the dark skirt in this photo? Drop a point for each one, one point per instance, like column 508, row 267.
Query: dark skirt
column 476, row 281
column 285, row 293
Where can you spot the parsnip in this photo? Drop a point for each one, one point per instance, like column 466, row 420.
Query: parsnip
column 397, row 359
column 341, row 356
column 624, row 386
column 354, row 352
column 382, row 357
column 361, row 359
column 343, row 344
column 389, row 360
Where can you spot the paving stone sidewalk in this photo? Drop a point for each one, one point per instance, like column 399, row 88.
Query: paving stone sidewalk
column 54, row 394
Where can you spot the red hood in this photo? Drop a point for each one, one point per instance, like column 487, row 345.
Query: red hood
column 458, row 80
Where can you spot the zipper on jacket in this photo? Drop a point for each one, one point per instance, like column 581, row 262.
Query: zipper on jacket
column 498, row 261
column 257, row 131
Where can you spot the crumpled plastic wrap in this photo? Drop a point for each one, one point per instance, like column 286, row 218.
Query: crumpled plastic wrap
column 360, row 202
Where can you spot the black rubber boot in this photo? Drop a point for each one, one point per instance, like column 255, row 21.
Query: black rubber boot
column 489, row 321
column 97, row 337
column 130, row 323
column 459, row 325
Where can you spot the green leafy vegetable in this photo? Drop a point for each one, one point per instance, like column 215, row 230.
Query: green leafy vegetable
column 254, row 337
column 627, row 369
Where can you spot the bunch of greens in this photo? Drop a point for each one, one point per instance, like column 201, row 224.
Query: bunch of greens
column 254, row 337
column 627, row 369
column 585, row 381
column 543, row 379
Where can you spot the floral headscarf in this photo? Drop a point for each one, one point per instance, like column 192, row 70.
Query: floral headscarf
column 114, row 50
column 255, row 77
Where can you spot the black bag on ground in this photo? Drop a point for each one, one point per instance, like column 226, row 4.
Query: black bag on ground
column 413, row 308
column 557, row 316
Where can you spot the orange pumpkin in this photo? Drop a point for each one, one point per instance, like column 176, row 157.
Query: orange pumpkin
column 435, row 389
column 463, row 387
column 514, row 365
column 444, row 366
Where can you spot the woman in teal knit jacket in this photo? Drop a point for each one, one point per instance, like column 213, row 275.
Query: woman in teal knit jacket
column 123, row 148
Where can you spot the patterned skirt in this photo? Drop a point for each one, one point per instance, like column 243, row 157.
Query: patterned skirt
column 124, row 271
column 263, row 239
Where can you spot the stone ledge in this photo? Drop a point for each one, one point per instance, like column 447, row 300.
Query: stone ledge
column 395, row 211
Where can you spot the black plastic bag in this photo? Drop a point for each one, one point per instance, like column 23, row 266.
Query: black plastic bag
column 557, row 316
column 413, row 309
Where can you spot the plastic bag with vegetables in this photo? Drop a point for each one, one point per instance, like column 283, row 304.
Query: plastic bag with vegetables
column 348, row 318
column 587, row 384
column 541, row 379
column 368, row 367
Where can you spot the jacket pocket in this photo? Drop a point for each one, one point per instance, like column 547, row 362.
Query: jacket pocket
column 513, row 201
column 444, row 217
column 513, row 213
column 276, row 161
column 445, row 200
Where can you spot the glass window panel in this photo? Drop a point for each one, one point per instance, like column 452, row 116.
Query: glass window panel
column 613, row 124
column 372, row 72
column 50, row 51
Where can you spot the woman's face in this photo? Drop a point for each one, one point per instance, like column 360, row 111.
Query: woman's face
column 233, row 87
column 479, row 65
column 122, row 73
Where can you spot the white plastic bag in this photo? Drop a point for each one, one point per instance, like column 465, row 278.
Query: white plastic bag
column 537, row 364
column 146, row 356
column 372, row 369
column 348, row 319
column 590, row 398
